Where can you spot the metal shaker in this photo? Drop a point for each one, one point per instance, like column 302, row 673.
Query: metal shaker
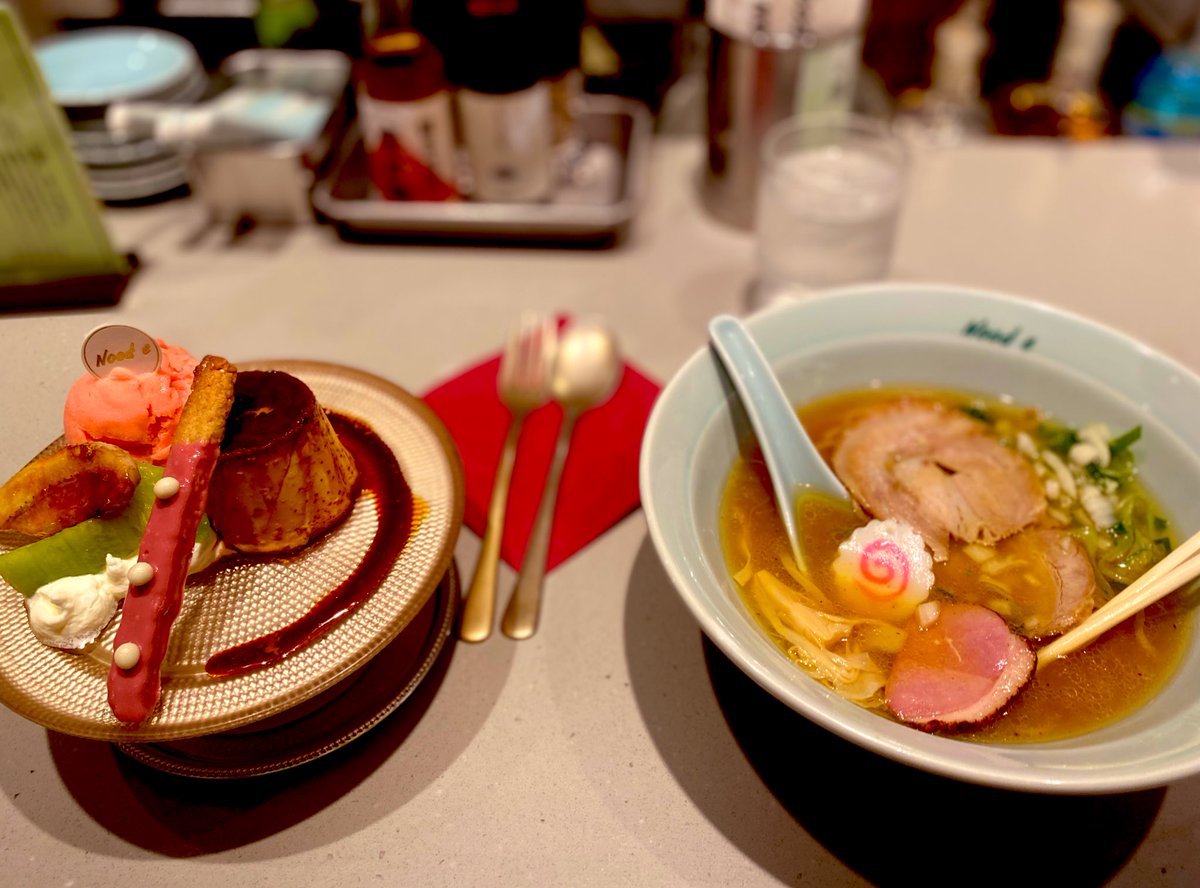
column 768, row 60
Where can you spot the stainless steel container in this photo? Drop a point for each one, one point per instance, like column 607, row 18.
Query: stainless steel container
column 749, row 88
column 757, row 76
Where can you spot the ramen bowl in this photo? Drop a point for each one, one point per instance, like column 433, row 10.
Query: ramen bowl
column 949, row 338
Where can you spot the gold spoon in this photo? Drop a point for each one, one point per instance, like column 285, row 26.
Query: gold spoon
column 586, row 373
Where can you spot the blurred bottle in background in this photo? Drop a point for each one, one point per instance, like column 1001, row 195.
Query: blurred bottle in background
column 1166, row 101
column 898, row 43
column 404, row 107
column 1070, row 101
column 903, row 41
column 952, row 107
column 515, row 69
column 636, row 48
column 502, row 70
column 560, row 23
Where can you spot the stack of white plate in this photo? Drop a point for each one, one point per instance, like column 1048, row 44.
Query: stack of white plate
column 91, row 69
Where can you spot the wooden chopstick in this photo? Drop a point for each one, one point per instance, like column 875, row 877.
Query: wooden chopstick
column 1174, row 571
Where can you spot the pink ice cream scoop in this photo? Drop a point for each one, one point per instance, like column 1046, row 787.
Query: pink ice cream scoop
column 136, row 411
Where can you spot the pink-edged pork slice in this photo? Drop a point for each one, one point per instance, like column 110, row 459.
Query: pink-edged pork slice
column 960, row 669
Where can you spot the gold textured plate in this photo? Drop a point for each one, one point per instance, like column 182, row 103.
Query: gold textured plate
column 243, row 600
column 325, row 722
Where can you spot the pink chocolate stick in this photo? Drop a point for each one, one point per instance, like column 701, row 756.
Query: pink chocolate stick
column 151, row 608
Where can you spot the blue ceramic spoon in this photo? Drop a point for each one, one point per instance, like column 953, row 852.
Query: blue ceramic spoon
column 792, row 459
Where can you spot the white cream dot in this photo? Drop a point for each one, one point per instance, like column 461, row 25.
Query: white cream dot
column 127, row 655
column 166, row 487
column 141, row 573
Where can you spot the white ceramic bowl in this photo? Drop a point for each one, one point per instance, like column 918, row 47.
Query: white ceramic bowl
column 956, row 338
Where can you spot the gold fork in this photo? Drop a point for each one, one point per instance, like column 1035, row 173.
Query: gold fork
column 523, row 385
column 586, row 373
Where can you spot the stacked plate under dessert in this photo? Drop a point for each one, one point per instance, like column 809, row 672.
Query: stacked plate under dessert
column 343, row 679
column 89, row 70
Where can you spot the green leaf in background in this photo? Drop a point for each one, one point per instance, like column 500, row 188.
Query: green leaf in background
column 278, row 20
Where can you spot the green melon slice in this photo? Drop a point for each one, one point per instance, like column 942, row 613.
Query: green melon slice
column 80, row 550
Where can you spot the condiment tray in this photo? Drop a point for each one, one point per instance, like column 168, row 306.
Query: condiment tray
column 615, row 138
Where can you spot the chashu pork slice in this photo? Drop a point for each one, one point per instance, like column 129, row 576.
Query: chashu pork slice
column 1040, row 580
column 960, row 670
column 940, row 471
column 284, row 477
column 1074, row 584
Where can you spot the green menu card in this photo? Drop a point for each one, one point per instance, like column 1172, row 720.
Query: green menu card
column 54, row 248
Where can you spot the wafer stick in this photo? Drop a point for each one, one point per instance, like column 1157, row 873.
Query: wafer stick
column 156, row 582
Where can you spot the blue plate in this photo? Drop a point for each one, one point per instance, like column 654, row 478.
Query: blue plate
column 98, row 66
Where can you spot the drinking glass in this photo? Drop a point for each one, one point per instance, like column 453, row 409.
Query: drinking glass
column 829, row 196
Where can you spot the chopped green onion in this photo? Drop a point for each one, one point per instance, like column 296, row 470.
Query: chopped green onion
column 977, row 413
column 1058, row 438
column 1122, row 442
column 1099, row 474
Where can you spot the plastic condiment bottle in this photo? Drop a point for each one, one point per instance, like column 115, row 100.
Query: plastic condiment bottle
column 951, row 109
column 406, row 116
column 504, row 104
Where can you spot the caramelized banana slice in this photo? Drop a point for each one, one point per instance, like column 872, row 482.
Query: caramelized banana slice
column 60, row 489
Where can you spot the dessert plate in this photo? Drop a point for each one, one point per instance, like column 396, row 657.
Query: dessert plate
column 248, row 598
column 323, row 723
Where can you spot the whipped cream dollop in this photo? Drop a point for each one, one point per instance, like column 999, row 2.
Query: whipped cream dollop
column 71, row 612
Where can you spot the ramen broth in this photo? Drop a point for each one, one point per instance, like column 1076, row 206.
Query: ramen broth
column 1114, row 675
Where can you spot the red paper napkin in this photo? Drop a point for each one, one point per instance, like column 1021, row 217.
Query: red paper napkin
column 599, row 483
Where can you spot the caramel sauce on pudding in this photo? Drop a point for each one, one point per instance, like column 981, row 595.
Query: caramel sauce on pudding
column 268, row 406
column 398, row 515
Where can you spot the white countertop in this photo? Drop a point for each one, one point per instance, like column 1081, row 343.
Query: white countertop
column 616, row 747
